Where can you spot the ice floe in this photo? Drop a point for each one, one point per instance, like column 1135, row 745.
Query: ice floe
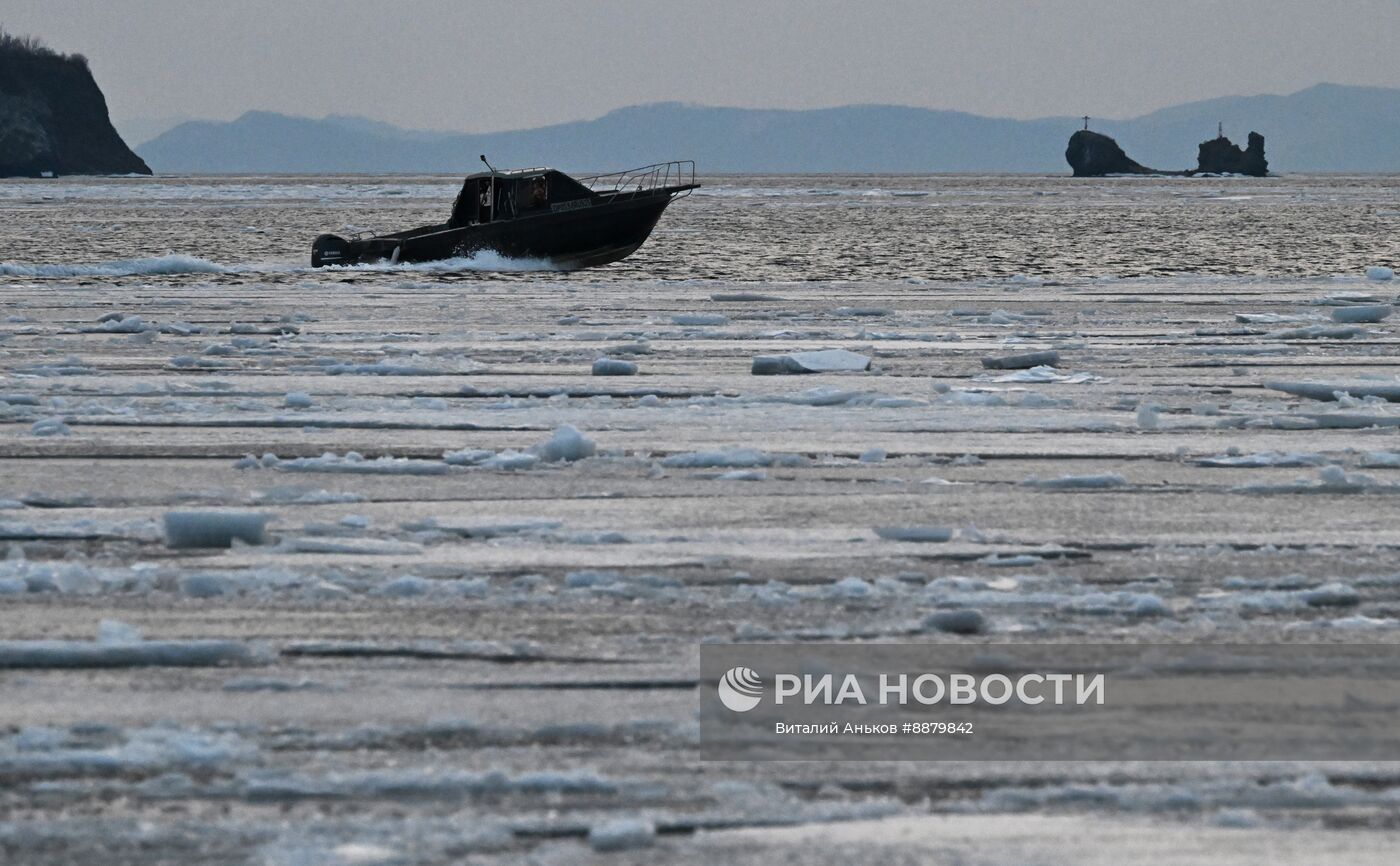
column 1045, row 375
column 1331, row 392
column 622, row 834
column 1362, row 313
column 565, row 446
column 214, row 528
column 704, row 319
column 731, row 458
column 1331, row 479
column 1101, row 481
column 352, row 463
column 1022, row 362
column 1317, row 332
column 127, row 651
column 825, row 361
column 614, row 367
column 1263, row 459
column 920, row 534
column 963, row 621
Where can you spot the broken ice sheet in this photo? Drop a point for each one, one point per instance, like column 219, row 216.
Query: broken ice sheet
column 118, row 647
column 731, row 458
column 921, row 534
column 1101, row 481
column 1331, row 479
column 825, row 361
column 1262, row 459
column 1046, row 375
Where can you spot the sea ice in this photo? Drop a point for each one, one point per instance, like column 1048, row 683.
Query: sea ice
column 510, row 461
column 487, row 530
column 1020, row 560
column 118, row 650
column 297, row 400
column 1317, row 332
column 825, row 361
column 350, row 546
column 743, row 296
column 214, row 528
column 1101, row 481
column 614, row 367
column 1022, row 362
column 352, row 463
column 1331, row 479
column 1140, row 604
column 622, row 834
column 850, row 589
column 730, row 458
column 967, row 397
column 919, row 534
column 210, row 584
column 1362, row 313
column 1045, row 375
column 1330, row 392
column 301, row 495
column 1271, row 318
column 700, row 319
column 1380, row 274
column 743, row 475
column 120, row 323
column 963, row 621
column 1261, row 459
column 408, row 586
column 50, row 427
column 566, row 445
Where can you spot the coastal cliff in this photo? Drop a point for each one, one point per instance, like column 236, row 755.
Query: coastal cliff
column 53, row 116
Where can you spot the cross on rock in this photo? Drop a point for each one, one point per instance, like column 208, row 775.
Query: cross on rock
column 1086, row 121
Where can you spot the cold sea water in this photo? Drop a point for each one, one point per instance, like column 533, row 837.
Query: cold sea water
column 761, row 229
column 465, row 580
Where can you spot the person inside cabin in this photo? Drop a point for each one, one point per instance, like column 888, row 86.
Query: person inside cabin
column 484, row 212
column 539, row 193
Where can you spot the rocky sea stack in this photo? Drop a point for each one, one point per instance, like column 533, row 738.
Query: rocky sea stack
column 1222, row 156
column 53, row 117
column 1093, row 154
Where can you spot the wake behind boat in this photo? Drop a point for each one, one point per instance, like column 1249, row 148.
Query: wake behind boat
column 533, row 213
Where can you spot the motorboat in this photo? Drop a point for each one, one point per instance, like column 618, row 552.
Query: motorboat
column 532, row 214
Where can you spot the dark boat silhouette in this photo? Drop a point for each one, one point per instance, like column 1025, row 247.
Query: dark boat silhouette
column 532, row 213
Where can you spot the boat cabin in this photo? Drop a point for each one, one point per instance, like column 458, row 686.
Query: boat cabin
column 503, row 195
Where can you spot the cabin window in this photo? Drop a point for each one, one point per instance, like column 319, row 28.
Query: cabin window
column 537, row 193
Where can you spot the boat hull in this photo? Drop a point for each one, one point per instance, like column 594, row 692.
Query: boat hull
column 580, row 236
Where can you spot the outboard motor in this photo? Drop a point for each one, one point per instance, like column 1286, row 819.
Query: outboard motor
column 330, row 250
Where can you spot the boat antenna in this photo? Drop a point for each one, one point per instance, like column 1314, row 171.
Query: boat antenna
column 488, row 165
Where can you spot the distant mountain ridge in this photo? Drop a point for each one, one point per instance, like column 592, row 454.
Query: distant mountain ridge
column 1323, row 128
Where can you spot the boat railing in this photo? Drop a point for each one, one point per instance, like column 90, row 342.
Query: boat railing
column 660, row 175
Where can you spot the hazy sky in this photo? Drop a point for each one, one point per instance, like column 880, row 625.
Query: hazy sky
column 481, row 65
